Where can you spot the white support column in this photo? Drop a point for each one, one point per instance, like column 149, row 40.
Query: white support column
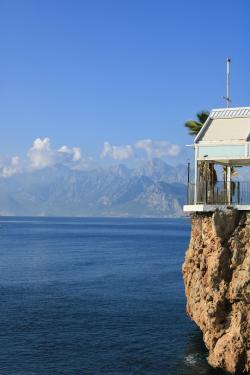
column 195, row 175
column 229, row 184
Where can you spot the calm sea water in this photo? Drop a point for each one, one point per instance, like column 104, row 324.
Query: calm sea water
column 96, row 296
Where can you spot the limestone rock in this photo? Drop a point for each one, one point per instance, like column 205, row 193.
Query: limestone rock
column 217, row 284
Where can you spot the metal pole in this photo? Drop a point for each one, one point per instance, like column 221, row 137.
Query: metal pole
column 229, row 184
column 195, row 176
column 188, row 181
column 206, row 180
column 227, row 97
column 212, row 171
column 228, row 82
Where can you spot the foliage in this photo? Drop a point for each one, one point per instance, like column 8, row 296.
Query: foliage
column 195, row 126
column 207, row 171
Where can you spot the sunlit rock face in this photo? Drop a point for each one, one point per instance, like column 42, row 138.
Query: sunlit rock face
column 217, row 284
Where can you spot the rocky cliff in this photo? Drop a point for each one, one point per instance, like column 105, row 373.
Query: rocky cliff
column 217, row 283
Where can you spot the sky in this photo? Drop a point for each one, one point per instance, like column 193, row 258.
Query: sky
column 115, row 80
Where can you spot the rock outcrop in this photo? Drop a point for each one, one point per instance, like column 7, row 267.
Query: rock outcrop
column 217, row 283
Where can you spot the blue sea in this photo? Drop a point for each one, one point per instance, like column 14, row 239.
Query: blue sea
column 96, row 296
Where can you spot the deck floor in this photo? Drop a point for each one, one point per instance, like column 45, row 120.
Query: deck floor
column 213, row 207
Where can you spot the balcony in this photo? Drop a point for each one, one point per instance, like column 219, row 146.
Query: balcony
column 204, row 197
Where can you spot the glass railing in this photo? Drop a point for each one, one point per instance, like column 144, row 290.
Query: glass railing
column 218, row 193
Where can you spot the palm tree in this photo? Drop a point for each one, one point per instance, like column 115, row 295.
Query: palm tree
column 195, row 126
column 207, row 171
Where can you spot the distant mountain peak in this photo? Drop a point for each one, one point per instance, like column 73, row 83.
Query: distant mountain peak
column 153, row 189
column 120, row 170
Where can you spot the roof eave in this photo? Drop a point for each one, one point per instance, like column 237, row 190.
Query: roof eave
column 201, row 132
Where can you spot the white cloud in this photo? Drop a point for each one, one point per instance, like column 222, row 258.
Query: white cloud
column 12, row 168
column 153, row 149
column 75, row 152
column 117, row 152
column 158, row 149
column 64, row 149
column 41, row 155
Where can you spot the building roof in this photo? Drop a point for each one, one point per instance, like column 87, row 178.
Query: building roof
column 230, row 112
column 227, row 125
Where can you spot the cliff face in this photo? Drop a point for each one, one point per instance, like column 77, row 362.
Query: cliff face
column 217, row 283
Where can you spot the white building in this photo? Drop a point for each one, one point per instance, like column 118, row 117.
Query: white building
column 223, row 140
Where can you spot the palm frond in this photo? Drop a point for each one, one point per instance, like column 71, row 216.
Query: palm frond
column 202, row 116
column 193, row 126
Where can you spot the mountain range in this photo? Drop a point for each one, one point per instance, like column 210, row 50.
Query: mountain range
column 155, row 189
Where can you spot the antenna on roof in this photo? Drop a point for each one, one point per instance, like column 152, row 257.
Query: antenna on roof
column 227, row 98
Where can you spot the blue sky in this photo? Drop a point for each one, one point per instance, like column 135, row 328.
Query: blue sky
column 87, row 72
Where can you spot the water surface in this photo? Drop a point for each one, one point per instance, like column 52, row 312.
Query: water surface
column 96, row 296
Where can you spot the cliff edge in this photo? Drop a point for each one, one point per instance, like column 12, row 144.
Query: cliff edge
column 217, row 284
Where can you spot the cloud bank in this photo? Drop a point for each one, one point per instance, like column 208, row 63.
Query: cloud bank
column 42, row 155
column 150, row 149
column 74, row 152
column 158, row 149
column 12, row 166
column 117, row 152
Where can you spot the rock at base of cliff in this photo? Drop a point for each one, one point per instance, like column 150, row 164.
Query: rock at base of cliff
column 217, row 284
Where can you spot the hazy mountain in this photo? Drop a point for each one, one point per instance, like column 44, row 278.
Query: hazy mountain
column 158, row 170
column 154, row 189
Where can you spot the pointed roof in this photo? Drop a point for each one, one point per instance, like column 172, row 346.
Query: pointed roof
column 227, row 125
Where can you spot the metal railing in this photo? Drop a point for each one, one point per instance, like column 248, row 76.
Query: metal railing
column 218, row 193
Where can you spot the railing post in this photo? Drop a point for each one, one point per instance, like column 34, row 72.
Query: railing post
column 229, row 184
column 195, row 175
column 188, row 183
column 238, row 191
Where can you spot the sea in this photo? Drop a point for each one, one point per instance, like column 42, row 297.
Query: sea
column 96, row 296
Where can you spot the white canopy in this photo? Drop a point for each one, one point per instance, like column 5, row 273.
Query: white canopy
column 226, row 125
